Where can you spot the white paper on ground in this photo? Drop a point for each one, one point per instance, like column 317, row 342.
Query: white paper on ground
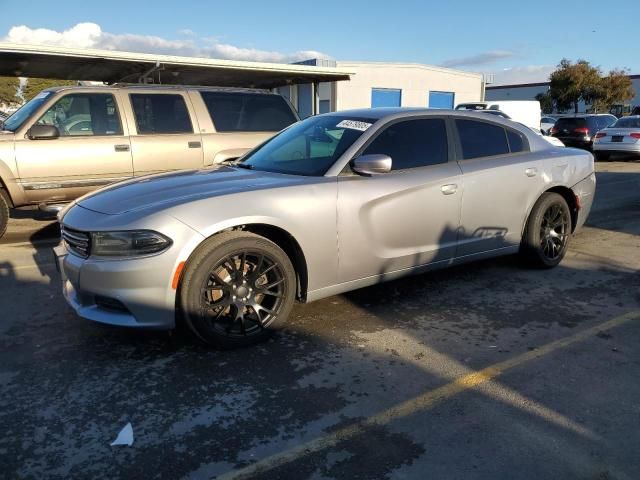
column 125, row 437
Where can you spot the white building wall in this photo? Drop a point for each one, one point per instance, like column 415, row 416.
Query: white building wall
column 415, row 81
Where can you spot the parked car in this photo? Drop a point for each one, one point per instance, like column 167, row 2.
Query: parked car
column 546, row 124
column 579, row 130
column 68, row 141
column 636, row 110
column 333, row 203
column 621, row 137
column 523, row 111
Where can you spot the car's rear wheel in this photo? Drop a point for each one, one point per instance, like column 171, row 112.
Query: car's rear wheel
column 237, row 289
column 548, row 231
column 4, row 211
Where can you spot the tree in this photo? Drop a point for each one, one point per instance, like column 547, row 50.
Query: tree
column 36, row 85
column 546, row 102
column 8, row 89
column 614, row 88
column 571, row 83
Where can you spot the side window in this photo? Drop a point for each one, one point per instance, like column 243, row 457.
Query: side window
column 481, row 139
column 84, row 114
column 413, row 143
column 248, row 112
column 516, row 141
column 161, row 113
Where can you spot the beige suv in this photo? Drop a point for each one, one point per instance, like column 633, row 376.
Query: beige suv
column 68, row 141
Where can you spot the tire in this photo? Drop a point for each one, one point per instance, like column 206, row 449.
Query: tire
column 5, row 205
column 236, row 290
column 602, row 157
column 548, row 232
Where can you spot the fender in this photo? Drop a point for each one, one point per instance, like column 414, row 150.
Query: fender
column 9, row 173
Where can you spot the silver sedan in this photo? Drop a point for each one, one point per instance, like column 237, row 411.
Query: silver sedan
column 333, row 203
column 621, row 137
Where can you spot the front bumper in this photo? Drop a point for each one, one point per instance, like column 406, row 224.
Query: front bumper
column 133, row 292
column 139, row 285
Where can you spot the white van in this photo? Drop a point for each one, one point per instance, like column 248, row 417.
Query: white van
column 524, row 111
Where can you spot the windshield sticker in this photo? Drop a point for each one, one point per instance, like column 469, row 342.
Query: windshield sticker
column 354, row 125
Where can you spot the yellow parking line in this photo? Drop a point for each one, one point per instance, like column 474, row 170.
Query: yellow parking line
column 422, row 402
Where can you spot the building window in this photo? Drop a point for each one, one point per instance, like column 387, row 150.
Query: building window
column 386, row 97
column 325, row 106
column 441, row 100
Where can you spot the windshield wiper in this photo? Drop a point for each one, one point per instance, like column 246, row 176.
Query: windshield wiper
column 242, row 165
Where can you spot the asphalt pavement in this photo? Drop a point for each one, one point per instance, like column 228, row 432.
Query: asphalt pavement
column 483, row 371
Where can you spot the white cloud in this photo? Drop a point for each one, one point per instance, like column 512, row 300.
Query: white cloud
column 484, row 58
column 91, row 35
column 526, row 74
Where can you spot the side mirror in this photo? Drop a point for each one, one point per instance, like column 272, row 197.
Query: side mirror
column 372, row 164
column 43, row 132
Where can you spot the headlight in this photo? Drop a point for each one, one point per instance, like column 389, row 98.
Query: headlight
column 128, row 243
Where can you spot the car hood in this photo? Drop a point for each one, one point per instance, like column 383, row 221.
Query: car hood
column 166, row 190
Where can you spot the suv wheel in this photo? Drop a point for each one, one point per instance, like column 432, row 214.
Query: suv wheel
column 236, row 290
column 4, row 211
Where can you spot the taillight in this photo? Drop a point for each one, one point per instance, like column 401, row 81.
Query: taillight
column 635, row 135
column 600, row 134
column 554, row 130
column 581, row 130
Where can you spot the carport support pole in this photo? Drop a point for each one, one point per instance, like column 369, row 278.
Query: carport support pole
column 316, row 98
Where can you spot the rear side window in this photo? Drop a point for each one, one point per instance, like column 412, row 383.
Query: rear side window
column 158, row 113
column 413, row 143
column 516, row 141
column 248, row 112
column 481, row 139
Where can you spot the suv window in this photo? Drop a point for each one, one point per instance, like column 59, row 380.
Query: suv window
column 413, row 143
column 161, row 113
column 481, row 139
column 248, row 112
column 84, row 114
column 606, row 121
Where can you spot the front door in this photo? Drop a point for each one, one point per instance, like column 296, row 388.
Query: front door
column 92, row 150
column 405, row 218
column 167, row 136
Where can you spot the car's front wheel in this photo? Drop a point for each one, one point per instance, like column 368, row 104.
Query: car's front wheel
column 237, row 289
column 547, row 233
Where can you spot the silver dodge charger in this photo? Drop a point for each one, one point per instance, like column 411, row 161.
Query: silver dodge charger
column 333, row 203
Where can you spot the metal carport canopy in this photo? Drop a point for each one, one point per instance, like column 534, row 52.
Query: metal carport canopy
column 112, row 66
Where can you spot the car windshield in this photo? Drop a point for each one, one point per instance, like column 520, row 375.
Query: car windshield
column 309, row 147
column 627, row 122
column 15, row 121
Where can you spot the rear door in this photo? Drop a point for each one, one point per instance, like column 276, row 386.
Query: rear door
column 405, row 218
column 166, row 134
column 500, row 181
column 92, row 150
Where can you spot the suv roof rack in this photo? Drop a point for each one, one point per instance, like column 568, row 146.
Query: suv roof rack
column 182, row 87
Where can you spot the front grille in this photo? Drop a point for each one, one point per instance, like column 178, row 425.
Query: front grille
column 78, row 242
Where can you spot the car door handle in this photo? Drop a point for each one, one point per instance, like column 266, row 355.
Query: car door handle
column 121, row 148
column 531, row 172
column 194, row 144
column 449, row 189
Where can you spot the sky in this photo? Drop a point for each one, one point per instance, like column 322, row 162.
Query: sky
column 518, row 42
